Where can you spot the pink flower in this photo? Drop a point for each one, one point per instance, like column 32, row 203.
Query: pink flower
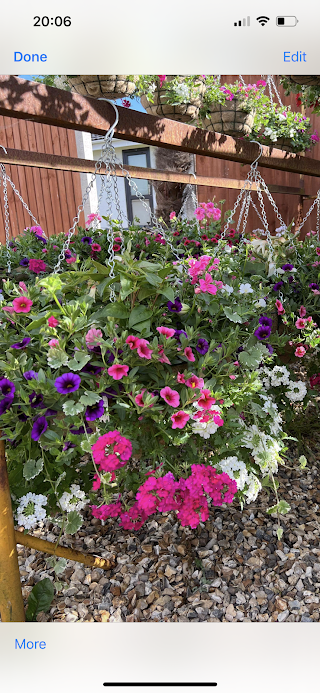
column 162, row 79
column 232, row 377
column 207, row 286
column 143, row 349
column 171, row 397
column 96, row 483
column 8, row 309
column 318, row 251
column 53, row 343
column 316, row 292
column 93, row 338
column 206, row 401
column 302, row 311
column 194, row 382
column 37, row 266
column 92, row 217
column 300, row 323
column 37, row 229
column 199, row 213
column 52, row 321
column 236, row 363
column 179, row 419
column 300, row 351
column 280, row 308
column 166, row 331
column 70, row 260
column 22, row 304
column 95, row 247
column 189, row 354
column 147, row 242
column 125, row 103
column 181, row 378
column 132, row 341
column 22, row 287
column 118, row 371
column 172, row 215
column 162, row 357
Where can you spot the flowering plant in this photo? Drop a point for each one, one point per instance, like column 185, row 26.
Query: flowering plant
column 249, row 95
column 178, row 89
column 280, row 126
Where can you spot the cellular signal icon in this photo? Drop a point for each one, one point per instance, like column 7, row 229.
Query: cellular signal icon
column 243, row 22
column 263, row 20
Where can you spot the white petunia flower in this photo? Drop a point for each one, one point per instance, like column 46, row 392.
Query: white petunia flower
column 261, row 303
column 245, row 289
column 227, row 288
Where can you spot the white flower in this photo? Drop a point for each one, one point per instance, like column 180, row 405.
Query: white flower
column 182, row 92
column 297, row 391
column 253, row 489
column 261, row 303
column 205, row 428
column 227, row 248
column 282, row 116
column 245, row 289
column 75, row 500
column 227, row 288
column 30, row 510
column 236, row 469
column 280, row 231
column 280, row 376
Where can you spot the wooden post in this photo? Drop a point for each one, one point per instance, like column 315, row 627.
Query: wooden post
column 11, row 602
column 63, row 551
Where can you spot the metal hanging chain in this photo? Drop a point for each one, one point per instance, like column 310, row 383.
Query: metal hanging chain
column 316, row 202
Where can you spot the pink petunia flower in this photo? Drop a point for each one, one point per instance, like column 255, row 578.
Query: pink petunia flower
column 93, row 338
column 71, row 260
column 302, row 311
column 189, row 354
column 206, row 285
column 166, row 331
column 194, row 382
column 181, row 378
column 162, row 357
column 232, row 377
column 143, row 349
column 8, row 309
column 132, row 341
column 22, row 304
column 206, row 401
column 22, row 287
column 172, row 215
column 139, row 399
column 300, row 351
column 179, row 419
column 318, row 251
column 53, row 343
column 280, row 308
column 52, row 321
column 170, row 396
column 118, row 371
column 95, row 247
column 300, row 323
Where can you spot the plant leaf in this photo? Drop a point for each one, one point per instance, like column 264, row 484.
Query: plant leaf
column 40, row 599
column 71, row 408
column 74, row 522
column 139, row 314
column 32, row 468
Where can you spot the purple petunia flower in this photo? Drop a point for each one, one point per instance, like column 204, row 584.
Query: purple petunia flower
column 277, row 286
column 24, row 262
column 22, row 417
column 5, row 404
column 287, row 267
column 68, row 253
column 86, row 239
column 68, row 382
column 95, row 411
column 7, row 387
column 262, row 332
column 178, row 333
column 270, row 348
column 40, row 238
column 30, row 375
column 39, row 427
column 35, row 400
column 290, row 279
column 21, row 345
column 93, row 370
column 175, row 307
column 264, row 320
column 50, row 412
column 314, row 286
column 68, row 445
column 80, row 431
column 202, row 346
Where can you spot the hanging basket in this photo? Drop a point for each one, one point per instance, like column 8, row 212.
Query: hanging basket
column 109, row 86
column 305, row 80
column 284, row 143
column 184, row 112
column 229, row 119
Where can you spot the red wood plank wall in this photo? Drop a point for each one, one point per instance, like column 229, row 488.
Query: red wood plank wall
column 288, row 204
column 52, row 196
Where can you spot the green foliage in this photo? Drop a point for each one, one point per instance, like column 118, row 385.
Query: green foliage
column 40, row 599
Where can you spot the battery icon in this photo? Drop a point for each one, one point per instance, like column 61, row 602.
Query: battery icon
column 286, row 21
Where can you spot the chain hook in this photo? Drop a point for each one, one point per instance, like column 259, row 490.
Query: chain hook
column 109, row 135
column 255, row 162
column 4, row 149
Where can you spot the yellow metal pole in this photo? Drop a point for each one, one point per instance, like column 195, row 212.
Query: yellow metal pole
column 11, row 601
column 62, row 551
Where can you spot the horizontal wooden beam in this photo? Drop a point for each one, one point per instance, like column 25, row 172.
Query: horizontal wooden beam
column 20, row 98
column 66, row 163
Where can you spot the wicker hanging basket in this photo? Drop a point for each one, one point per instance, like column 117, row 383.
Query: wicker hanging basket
column 229, row 119
column 305, row 80
column 185, row 112
column 284, row 143
column 109, row 86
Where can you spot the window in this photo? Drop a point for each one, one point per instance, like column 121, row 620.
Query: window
column 135, row 208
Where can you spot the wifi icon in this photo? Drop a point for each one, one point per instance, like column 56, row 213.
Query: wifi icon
column 263, row 20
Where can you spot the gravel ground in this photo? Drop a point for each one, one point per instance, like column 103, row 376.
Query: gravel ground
column 231, row 568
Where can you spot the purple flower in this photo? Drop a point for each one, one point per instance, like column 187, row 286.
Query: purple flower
column 277, row 286
column 30, row 375
column 262, row 332
column 287, row 268
column 270, row 348
column 202, row 346
column 175, row 307
column 68, row 382
column 265, row 321
column 68, row 253
column 22, row 416
column 80, row 431
column 290, row 279
column 21, row 345
column 93, row 370
column 40, row 238
column 314, row 286
column 24, row 262
column 39, row 427
column 35, row 400
column 86, row 239
column 68, row 445
column 95, row 411
column 5, row 404
column 50, row 412
column 178, row 333
column 7, row 387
